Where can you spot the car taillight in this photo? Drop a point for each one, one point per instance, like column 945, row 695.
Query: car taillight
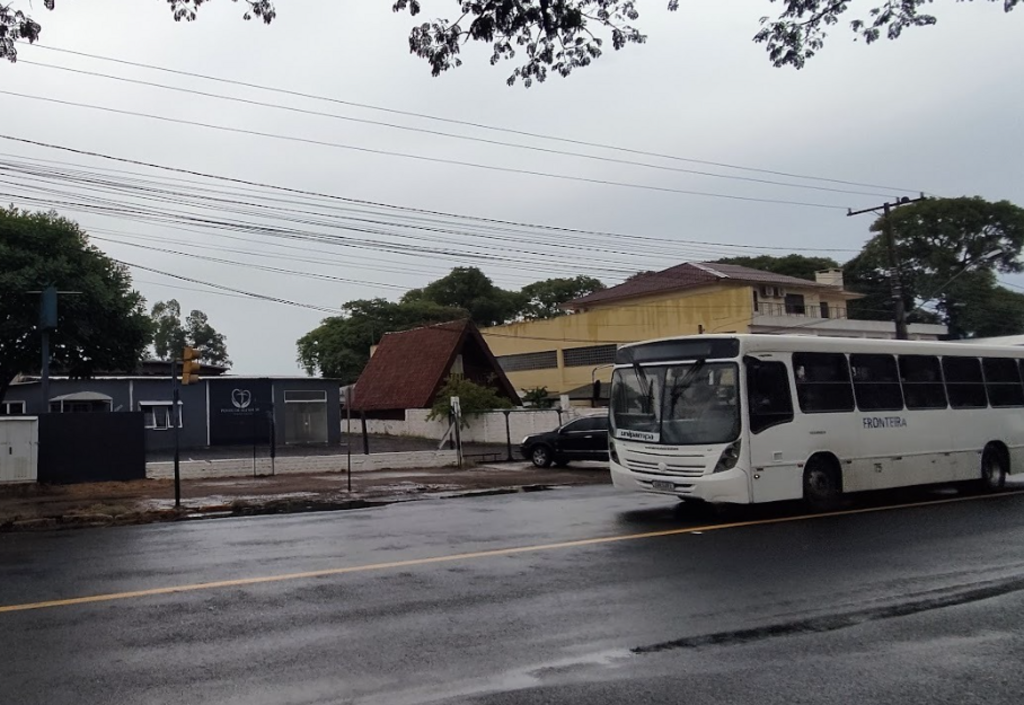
column 730, row 456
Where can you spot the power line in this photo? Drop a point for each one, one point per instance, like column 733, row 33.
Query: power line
column 419, row 157
column 250, row 265
column 377, row 123
column 177, row 287
column 468, row 123
column 264, row 297
column 388, row 206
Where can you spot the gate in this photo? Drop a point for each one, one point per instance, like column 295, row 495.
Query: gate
column 92, row 447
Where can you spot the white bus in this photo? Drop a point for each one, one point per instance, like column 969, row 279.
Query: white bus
column 763, row 418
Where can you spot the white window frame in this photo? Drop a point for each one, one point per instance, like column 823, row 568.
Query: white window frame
column 167, row 405
column 321, row 400
column 7, row 408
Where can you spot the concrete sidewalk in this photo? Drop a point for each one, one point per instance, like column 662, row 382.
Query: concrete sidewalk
column 24, row 507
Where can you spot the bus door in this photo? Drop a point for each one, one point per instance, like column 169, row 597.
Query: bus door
column 774, row 463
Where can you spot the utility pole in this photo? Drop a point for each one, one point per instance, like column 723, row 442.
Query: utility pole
column 895, row 281
column 175, row 402
column 47, row 323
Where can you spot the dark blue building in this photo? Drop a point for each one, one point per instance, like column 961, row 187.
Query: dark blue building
column 216, row 411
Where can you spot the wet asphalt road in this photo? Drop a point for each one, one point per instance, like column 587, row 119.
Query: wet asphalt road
column 905, row 605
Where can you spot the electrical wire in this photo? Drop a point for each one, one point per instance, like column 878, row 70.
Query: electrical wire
column 419, row 157
column 467, row 123
column 382, row 205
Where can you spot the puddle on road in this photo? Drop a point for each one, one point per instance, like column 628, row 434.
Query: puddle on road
column 555, row 671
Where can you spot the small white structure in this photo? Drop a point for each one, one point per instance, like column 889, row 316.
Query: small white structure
column 1001, row 340
column 19, row 449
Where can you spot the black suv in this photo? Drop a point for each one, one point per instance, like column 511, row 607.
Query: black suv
column 581, row 439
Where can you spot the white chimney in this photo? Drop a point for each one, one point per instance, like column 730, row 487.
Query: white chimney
column 831, row 277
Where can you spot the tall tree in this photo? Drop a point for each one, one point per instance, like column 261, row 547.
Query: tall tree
column 562, row 35
column 949, row 251
column 340, row 346
column 470, row 289
column 789, row 265
column 544, row 299
column 102, row 327
column 170, row 336
column 168, row 333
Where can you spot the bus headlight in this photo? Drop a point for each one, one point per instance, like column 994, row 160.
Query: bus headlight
column 730, row 456
column 612, row 452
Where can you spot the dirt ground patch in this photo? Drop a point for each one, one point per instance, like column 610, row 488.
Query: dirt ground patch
column 24, row 507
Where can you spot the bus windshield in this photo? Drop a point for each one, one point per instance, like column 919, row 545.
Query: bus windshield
column 688, row 404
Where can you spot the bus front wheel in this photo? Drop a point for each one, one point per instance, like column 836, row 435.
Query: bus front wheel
column 822, row 485
column 994, row 468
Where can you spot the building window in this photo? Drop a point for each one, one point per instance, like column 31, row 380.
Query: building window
column 757, row 303
column 824, row 309
column 298, row 396
column 546, row 360
column 79, row 406
column 795, row 304
column 157, row 414
column 458, row 370
column 12, row 408
column 590, row 356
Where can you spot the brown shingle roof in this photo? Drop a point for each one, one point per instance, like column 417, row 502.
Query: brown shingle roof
column 689, row 276
column 408, row 367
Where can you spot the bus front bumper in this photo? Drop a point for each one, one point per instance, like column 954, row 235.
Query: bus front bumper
column 731, row 486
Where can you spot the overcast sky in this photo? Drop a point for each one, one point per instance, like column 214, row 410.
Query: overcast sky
column 937, row 111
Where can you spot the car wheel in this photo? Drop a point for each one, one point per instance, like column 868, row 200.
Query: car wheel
column 541, row 456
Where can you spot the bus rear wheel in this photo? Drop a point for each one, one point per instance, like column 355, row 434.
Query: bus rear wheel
column 994, row 468
column 822, row 485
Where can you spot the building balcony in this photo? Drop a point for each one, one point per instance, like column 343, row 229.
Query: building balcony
column 780, row 319
column 801, row 310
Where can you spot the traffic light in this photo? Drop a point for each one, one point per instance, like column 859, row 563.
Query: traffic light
column 189, row 366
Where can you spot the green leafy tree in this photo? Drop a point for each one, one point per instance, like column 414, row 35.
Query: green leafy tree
column 474, row 399
column 103, row 327
column 538, row 398
column 544, row 299
column 949, row 251
column 470, row 289
column 170, row 337
column 340, row 346
column 788, row 265
column 563, row 35
column 168, row 334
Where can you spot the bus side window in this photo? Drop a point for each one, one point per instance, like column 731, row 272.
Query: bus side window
column 921, row 377
column 1002, row 380
column 876, row 382
column 825, row 384
column 768, row 398
column 965, row 385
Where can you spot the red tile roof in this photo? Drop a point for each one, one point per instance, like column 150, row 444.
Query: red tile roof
column 689, row 276
column 408, row 367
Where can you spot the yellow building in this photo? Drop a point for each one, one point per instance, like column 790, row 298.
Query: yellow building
column 566, row 354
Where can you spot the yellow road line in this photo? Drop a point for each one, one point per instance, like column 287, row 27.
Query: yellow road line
column 245, row 582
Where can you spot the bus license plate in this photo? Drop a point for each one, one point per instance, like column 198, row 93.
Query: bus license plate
column 663, row 486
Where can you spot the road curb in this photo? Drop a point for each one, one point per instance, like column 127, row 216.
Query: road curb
column 250, row 508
